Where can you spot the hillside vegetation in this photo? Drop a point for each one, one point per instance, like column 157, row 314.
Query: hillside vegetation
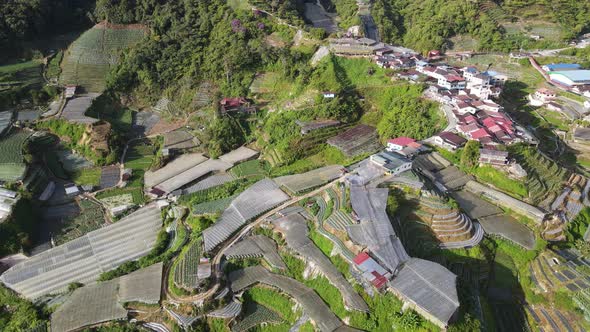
column 429, row 24
column 88, row 60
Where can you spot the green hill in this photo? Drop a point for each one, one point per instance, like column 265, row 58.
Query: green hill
column 88, row 60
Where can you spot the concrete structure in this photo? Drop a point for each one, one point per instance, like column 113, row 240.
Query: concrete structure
column 392, row 163
column 571, row 77
column 449, row 141
column 561, row 67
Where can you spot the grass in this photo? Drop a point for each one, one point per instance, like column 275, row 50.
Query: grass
column 328, row 155
column 53, row 70
column 275, row 300
column 239, row 4
column 572, row 96
column 12, row 166
column 501, row 181
column 556, row 119
column 14, row 68
column 87, row 176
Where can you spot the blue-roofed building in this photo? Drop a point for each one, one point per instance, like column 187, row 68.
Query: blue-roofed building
column 561, row 67
column 392, row 163
column 570, row 77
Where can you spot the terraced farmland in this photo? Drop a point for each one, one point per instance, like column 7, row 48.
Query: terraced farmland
column 91, row 218
column 88, row 60
column 185, row 271
column 12, row 166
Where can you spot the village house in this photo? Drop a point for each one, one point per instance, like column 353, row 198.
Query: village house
column 449, row 141
column 544, row 95
column 392, row 163
column 452, row 82
column 399, row 143
column 236, row 105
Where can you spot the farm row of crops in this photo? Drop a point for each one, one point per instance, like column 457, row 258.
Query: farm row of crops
column 545, row 177
column 185, row 271
column 90, row 57
column 91, row 218
column 248, row 168
column 12, row 166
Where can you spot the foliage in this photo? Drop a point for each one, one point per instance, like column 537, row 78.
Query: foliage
column 578, row 226
column 406, row 114
column 429, row 24
column 32, row 19
column 17, row 314
column 500, row 180
column 87, row 176
column 470, row 155
column 218, row 192
column 272, row 299
column 224, row 135
column 18, row 231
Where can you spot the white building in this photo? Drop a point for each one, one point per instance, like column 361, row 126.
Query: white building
column 392, row 163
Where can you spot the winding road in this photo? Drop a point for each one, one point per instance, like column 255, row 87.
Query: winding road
column 216, row 262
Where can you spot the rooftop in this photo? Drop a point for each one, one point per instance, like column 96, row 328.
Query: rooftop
column 574, row 75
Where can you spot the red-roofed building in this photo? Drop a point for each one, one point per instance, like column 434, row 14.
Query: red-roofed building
column 371, row 271
column 478, row 134
column 452, row 82
column 360, row 258
column 398, row 144
column 468, row 129
column 237, row 104
column 449, row 140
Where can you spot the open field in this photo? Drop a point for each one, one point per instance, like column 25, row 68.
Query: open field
column 88, row 60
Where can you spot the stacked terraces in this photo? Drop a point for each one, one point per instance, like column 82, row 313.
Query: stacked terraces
column 567, row 206
column 254, row 247
column 552, row 319
column 87, row 61
column 257, row 199
column 451, row 227
column 553, row 271
column 545, row 178
column 85, row 258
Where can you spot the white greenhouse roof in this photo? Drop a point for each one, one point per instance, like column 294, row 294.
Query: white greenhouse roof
column 85, row 258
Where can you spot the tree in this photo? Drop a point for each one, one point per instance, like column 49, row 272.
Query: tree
column 470, row 154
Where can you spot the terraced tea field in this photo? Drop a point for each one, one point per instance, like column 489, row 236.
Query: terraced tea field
column 12, row 166
column 88, row 60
